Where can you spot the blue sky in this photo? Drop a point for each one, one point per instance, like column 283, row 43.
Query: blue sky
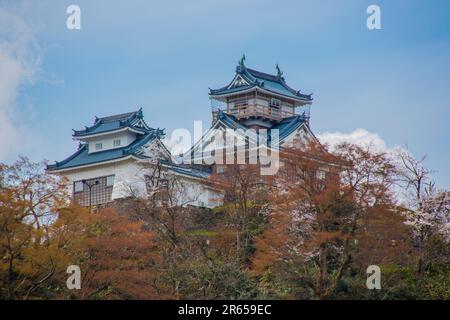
column 163, row 55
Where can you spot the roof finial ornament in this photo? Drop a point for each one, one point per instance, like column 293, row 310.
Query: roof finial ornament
column 279, row 72
column 241, row 62
column 241, row 65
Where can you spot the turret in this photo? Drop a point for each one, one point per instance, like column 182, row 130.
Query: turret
column 258, row 99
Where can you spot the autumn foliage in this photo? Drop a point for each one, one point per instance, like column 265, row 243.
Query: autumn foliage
column 308, row 232
column 42, row 233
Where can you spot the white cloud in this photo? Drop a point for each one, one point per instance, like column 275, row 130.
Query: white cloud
column 360, row 137
column 364, row 138
column 19, row 62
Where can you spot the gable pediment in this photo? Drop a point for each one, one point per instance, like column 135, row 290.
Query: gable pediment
column 299, row 138
column 238, row 81
column 154, row 150
column 139, row 124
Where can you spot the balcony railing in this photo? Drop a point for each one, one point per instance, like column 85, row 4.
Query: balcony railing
column 246, row 111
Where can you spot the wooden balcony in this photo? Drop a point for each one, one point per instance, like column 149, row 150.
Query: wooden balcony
column 258, row 111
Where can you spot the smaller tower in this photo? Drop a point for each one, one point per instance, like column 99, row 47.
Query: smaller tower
column 106, row 149
column 259, row 100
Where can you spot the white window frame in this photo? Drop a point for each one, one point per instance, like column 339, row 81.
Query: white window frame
column 98, row 146
column 78, row 186
column 117, row 142
column 110, row 181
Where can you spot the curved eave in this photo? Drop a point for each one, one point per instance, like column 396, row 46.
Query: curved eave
column 299, row 99
column 191, row 175
column 129, row 151
column 54, row 167
column 99, row 163
column 108, row 132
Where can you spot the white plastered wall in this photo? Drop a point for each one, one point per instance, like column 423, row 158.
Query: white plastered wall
column 130, row 181
column 126, row 173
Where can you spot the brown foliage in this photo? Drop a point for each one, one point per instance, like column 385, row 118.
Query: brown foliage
column 245, row 197
column 119, row 259
column 383, row 239
column 319, row 202
column 42, row 233
column 32, row 250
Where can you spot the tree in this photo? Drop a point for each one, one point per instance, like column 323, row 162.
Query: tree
column 117, row 260
column 42, row 233
column 164, row 211
column 427, row 209
column 197, row 243
column 32, row 252
column 317, row 207
column 244, row 204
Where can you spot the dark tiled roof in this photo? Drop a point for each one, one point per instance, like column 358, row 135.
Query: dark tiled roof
column 106, row 124
column 257, row 79
column 286, row 127
column 118, row 117
column 81, row 157
column 112, row 123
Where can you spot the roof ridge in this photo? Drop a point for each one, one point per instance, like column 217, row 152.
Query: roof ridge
column 263, row 74
column 120, row 116
column 273, row 83
column 115, row 122
column 278, row 79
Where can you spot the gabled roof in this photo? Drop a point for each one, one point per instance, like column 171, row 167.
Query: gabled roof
column 82, row 157
column 247, row 79
column 286, row 128
column 288, row 125
column 131, row 120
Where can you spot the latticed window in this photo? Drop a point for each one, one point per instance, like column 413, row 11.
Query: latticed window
column 93, row 191
column 241, row 103
column 275, row 102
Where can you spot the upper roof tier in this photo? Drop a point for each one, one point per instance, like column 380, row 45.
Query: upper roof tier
column 126, row 121
column 132, row 120
column 247, row 79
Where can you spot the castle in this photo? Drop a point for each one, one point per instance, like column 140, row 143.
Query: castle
column 116, row 152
